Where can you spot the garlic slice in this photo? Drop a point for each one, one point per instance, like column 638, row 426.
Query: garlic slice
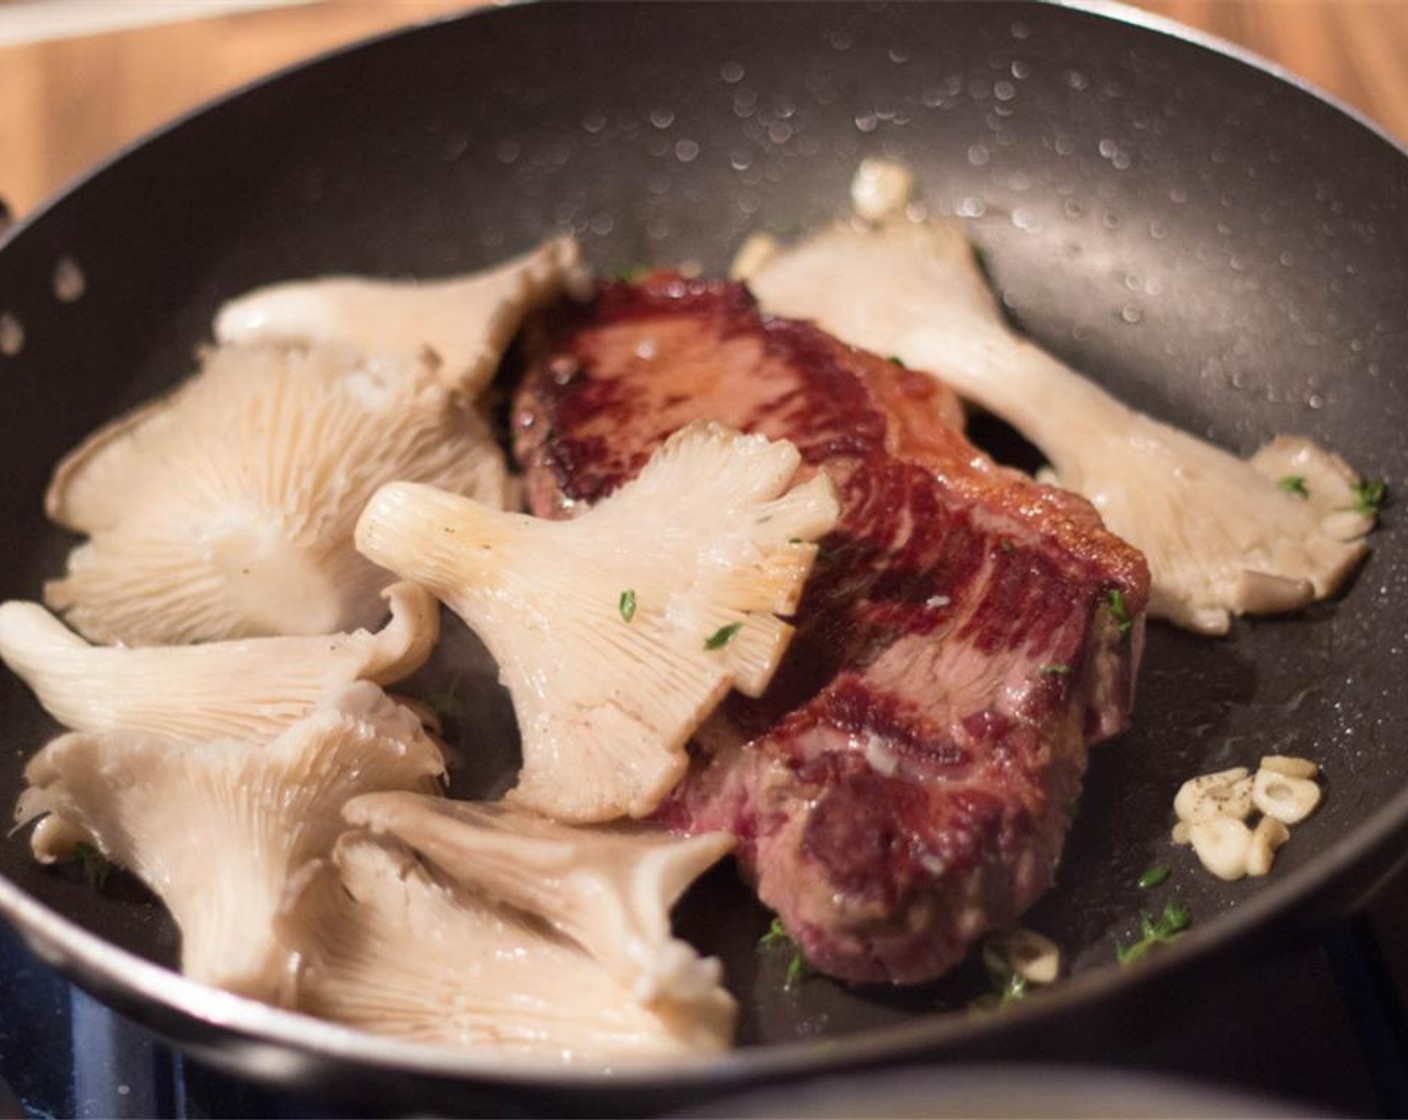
column 1223, row 846
column 1290, row 766
column 1227, row 793
column 1290, row 800
column 1268, row 835
column 1025, row 953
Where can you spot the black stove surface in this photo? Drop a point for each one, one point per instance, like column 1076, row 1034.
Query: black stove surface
column 1321, row 1028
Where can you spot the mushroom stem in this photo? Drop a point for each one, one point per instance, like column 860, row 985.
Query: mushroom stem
column 1220, row 536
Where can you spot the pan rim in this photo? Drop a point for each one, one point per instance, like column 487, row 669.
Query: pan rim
column 64, row 943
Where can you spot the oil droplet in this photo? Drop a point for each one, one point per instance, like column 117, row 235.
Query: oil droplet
column 867, row 122
column 1004, row 90
column 779, row 132
column 594, row 122
column 841, row 40
column 1021, row 31
column 1076, row 80
column 1072, row 209
column 731, row 72
column 69, row 281
column 1157, row 230
column 686, row 151
column 11, row 335
column 508, row 151
column 971, row 207
column 1021, row 69
column 1177, row 195
column 899, row 56
column 662, row 118
column 1131, row 313
column 1065, row 146
column 977, row 155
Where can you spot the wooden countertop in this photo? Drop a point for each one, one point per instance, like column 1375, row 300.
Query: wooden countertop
column 66, row 104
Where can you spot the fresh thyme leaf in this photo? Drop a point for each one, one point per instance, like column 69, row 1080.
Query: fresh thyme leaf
column 1007, row 987
column 1119, row 610
column 630, row 273
column 1005, row 543
column 1056, row 668
column 722, row 636
column 1370, row 495
column 898, row 361
column 96, row 867
column 1175, row 919
column 777, row 935
column 1153, row 877
column 627, row 604
column 1294, row 484
column 1168, row 926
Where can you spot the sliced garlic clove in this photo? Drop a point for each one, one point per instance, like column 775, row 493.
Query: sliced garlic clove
column 1227, row 793
column 1290, row 766
column 1290, row 800
column 1268, row 835
column 880, row 189
column 1022, row 952
column 1223, row 845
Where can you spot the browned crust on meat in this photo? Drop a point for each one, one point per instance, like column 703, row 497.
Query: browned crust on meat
column 905, row 782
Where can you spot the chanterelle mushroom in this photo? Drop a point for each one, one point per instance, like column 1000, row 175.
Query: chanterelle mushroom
column 619, row 631
column 386, row 944
column 249, row 689
column 226, row 509
column 609, row 889
column 467, row 321
column 1221, row 538
column 215, row 828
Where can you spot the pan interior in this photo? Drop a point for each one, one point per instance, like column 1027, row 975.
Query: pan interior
column 1218, row 248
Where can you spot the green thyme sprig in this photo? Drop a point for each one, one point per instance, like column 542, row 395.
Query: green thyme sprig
column 1167, row 927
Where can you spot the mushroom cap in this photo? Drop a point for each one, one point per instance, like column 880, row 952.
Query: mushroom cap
column 710, row 547
column 1220, row 537
column 466, row 321
column 610, row 889
column 389, row 945
column 226, row 509
column 214, row 828
column 248, row 689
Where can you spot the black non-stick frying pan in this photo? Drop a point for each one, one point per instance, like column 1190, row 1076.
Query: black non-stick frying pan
column 1216, row 245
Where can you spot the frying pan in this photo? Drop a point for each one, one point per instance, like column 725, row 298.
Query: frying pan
column 1217, row 246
